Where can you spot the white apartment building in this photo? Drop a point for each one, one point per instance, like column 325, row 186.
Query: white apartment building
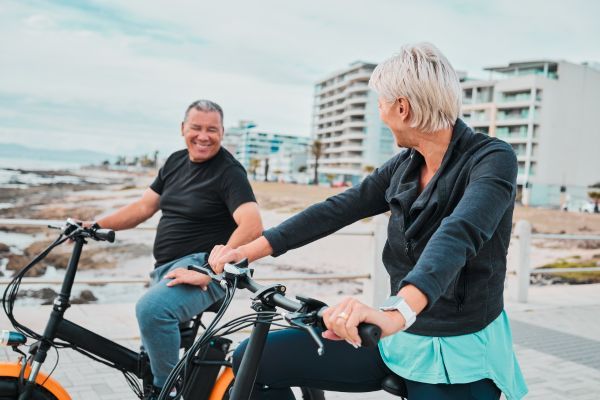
column 287, row 154
column 346, row 122
column 546, row 109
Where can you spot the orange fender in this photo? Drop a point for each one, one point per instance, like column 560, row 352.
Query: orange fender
column 222, row 384
column 13, row 370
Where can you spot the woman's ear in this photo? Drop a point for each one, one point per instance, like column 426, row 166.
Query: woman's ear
column 403, row 108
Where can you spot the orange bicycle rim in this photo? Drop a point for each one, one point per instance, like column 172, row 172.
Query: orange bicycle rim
column 14, row 369
column 222, row 384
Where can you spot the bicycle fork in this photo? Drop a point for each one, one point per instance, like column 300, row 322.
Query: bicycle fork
column 244, row 381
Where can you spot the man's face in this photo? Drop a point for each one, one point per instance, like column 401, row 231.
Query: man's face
column 203, row 132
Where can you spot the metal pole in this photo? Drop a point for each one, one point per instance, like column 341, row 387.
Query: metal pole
column 523, row 232
column 379, row 285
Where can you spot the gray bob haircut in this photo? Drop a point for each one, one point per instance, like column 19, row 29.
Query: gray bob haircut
column 206, row 106
column 423, row 75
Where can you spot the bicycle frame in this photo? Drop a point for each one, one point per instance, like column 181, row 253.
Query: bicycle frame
column 59, row 328
column 116, row 355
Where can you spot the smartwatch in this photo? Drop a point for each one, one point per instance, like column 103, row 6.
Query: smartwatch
column 397, row 303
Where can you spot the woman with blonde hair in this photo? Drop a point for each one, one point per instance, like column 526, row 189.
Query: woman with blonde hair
column 451, row 196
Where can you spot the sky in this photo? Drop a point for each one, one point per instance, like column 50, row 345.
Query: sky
column 116, row 76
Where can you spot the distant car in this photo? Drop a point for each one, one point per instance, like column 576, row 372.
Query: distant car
column 588, row 207
column 585, row 207
column 338, row 184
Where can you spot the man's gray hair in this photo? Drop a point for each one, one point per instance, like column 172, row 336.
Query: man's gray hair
column 206, row 106
column 423, row 75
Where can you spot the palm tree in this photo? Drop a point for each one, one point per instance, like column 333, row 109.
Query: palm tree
column 254, row 164
column 267, row 169
column 317, row 152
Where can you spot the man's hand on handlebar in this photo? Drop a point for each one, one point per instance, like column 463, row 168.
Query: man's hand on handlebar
column 184, row 276
column 221, row 255
column 342, row 321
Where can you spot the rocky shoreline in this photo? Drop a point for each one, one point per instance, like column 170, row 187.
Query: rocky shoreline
column 82, row 195
column 86, row 194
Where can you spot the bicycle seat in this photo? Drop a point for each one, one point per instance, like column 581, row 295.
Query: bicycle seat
column 395, row 385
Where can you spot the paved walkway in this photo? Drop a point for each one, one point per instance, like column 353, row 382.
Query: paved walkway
column 556, row 335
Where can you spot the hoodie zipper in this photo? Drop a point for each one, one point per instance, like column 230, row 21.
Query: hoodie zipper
column 409, row 251
column 461, row 289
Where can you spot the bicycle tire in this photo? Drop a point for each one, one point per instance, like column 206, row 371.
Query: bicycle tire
column 9, row 390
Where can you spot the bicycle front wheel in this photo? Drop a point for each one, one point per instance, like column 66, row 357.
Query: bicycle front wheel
column 9, row 390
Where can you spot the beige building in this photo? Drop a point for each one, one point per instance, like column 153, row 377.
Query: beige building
column 546, row 110
column 346, row 122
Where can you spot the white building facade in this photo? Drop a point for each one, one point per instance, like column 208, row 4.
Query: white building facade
column 286, row 155
column 346, row 122
column 546, row 110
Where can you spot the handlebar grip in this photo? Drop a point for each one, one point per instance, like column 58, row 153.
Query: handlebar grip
column 369, row 334
column 105, row 234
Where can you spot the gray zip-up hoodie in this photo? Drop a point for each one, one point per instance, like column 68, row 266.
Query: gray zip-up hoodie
column 450, row 241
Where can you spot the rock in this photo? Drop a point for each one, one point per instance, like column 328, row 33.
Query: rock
column 86, row 296
column 16, row 262
column 4, row 248
column 47, row 294
column 36, row 248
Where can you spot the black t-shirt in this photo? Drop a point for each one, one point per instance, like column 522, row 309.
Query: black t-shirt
column 197, row 201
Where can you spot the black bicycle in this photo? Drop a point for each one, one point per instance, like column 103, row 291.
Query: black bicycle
column 209, row 367
column 303, row 313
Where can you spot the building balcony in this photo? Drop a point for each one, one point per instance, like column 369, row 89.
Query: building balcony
column 359, row 76
column 478, row 123
column 344, row 148
column 513, row 138
column 342, row 116
column 320, row 113
column 513, row 104
column 356, row 100
column 340, row 160
column 512, row 121
column 357, row 88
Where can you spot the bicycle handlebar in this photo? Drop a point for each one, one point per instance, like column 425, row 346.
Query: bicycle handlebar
column 369, row 333
column 73, row 228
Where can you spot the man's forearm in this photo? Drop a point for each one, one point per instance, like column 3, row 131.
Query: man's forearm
column 126, row 217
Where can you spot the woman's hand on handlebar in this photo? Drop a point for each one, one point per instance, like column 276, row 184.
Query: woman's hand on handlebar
column 180, row 276
column 221, row 255
column 343, row 319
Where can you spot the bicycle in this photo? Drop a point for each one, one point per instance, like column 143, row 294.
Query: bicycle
column 305, row 313
column 23, row 379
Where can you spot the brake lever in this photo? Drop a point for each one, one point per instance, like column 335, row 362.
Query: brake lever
column 206, row 271
column 298, row 320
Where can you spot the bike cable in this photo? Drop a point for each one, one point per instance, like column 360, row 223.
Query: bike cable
column 12, row 289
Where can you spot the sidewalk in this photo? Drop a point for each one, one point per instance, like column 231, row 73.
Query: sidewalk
column 556, row 336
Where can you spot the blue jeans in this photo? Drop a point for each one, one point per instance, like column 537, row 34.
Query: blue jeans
column 160, row 310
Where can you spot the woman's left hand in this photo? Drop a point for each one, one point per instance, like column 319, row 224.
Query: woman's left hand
column 343, row 319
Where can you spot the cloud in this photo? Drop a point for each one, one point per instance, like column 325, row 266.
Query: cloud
column 125, row 71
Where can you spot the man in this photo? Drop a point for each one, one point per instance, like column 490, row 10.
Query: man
column 205, row 199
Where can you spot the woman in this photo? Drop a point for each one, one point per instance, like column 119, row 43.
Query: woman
column 451, row 196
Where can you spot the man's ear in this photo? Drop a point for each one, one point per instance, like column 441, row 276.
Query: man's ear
column 182, row 124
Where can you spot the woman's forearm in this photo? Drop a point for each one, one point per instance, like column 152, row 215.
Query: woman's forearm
column 256, row 249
